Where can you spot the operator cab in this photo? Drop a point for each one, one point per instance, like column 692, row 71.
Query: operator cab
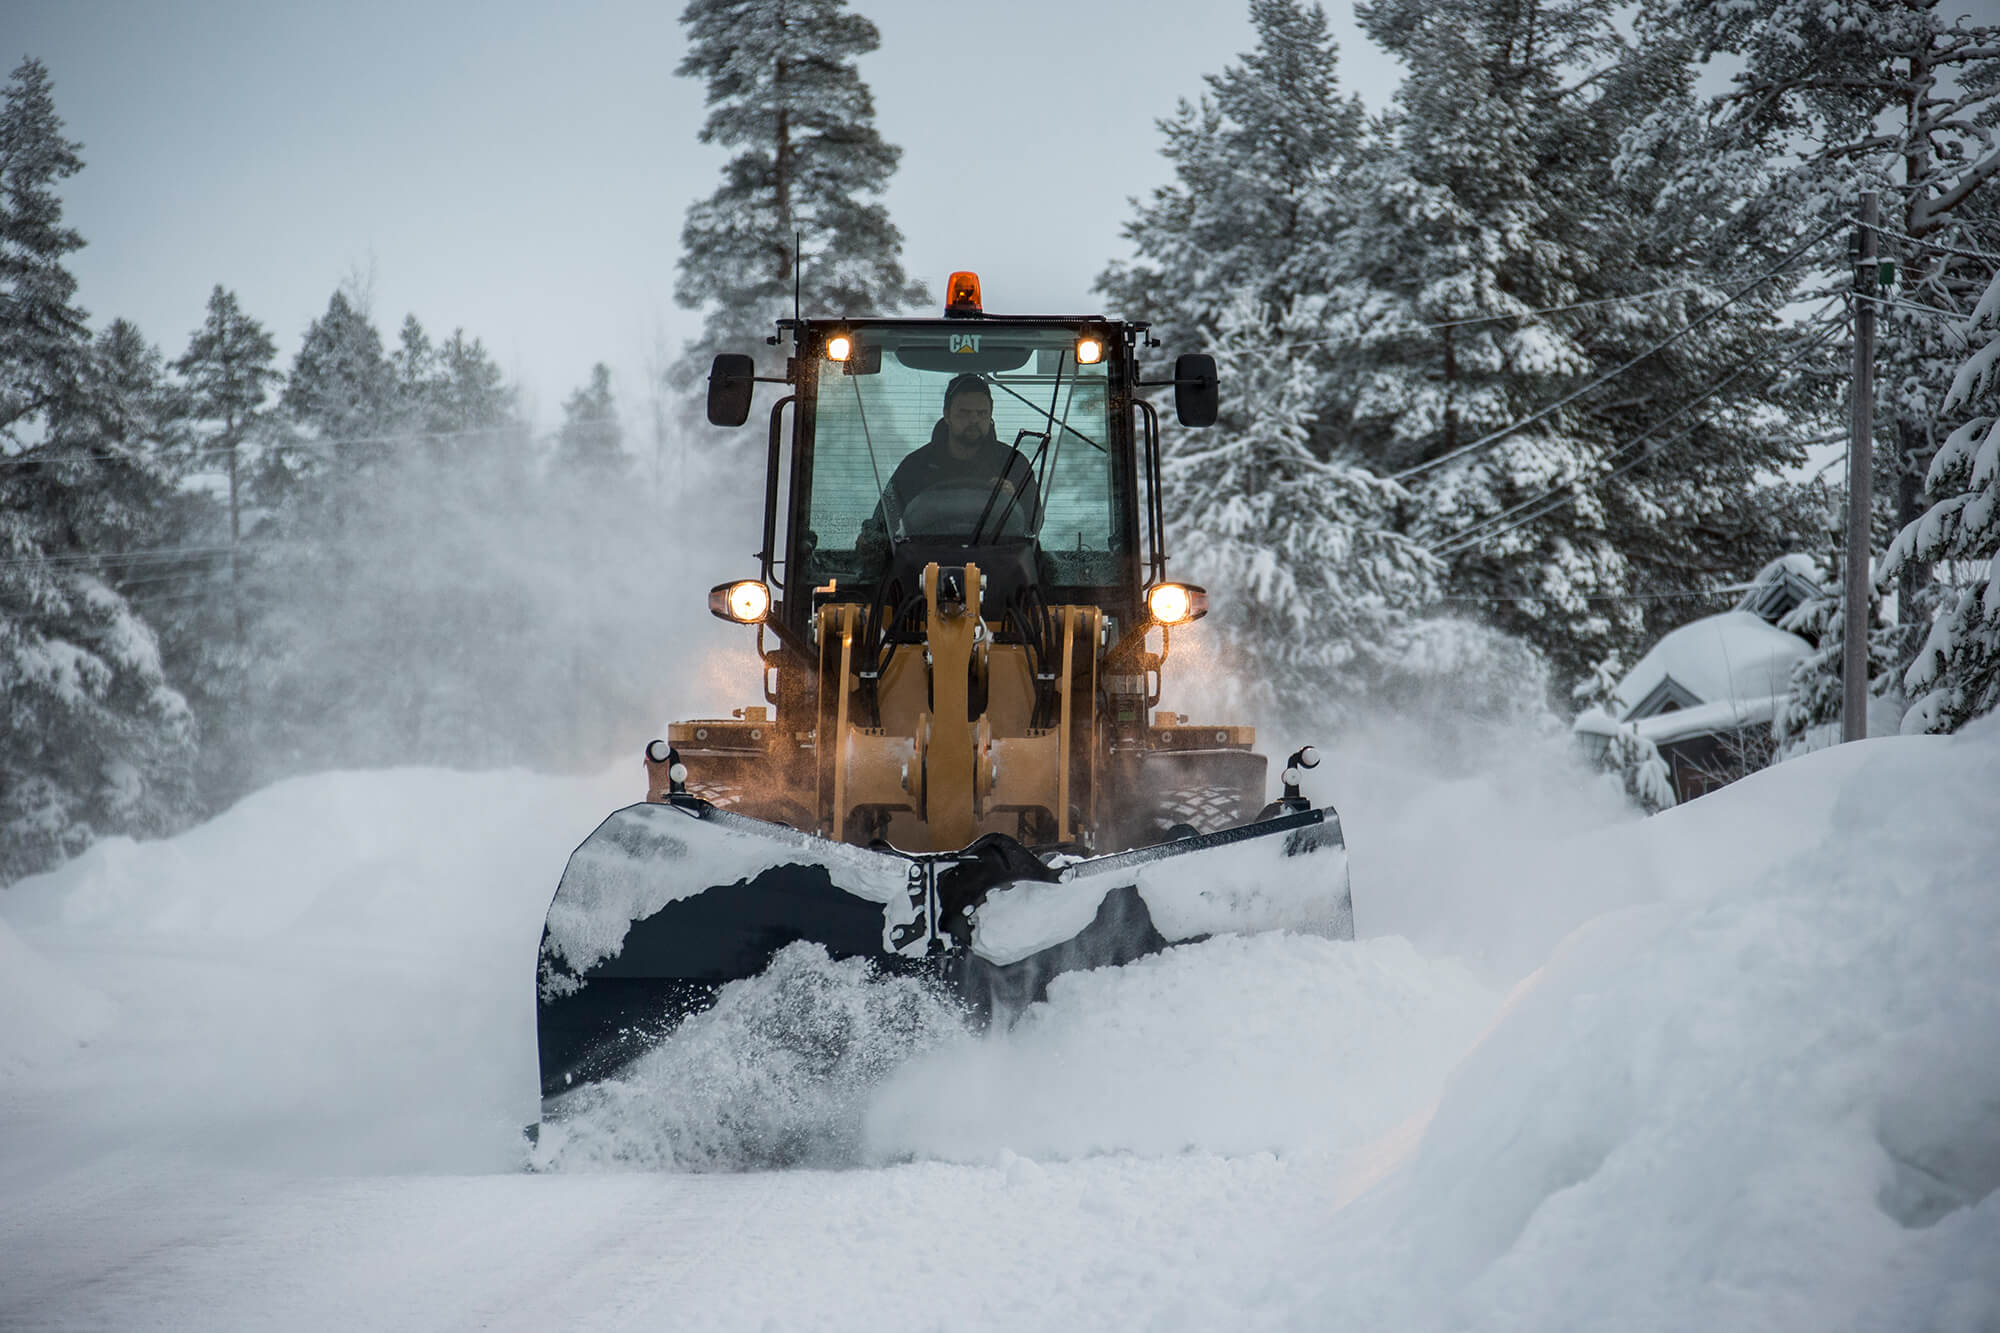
column 1072, row 526
column 866, row 394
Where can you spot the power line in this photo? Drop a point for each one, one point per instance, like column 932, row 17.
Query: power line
column 1486, row 441
column 1726, row 591
column 149, row 555
column 1948, row 318
column 1474, row 529
column 163, row 458
column 1484, row 319
column 264, row 445
column 1880, row 230
column 1560, row 496
column 1477, row 533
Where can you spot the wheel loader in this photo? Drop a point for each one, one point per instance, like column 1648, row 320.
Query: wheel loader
column 958, row 767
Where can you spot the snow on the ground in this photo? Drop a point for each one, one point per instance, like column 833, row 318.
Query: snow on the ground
column 48, row 1013
column 1736, row 1066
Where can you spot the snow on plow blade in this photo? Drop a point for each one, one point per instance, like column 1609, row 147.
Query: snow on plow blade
column 666, row 903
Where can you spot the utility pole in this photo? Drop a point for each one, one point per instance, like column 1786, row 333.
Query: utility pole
column 1860, row 485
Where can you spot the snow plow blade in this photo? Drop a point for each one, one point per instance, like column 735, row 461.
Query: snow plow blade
column 665, row 903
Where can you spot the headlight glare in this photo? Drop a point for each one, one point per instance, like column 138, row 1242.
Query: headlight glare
column 746, row 601
column 1176, row 603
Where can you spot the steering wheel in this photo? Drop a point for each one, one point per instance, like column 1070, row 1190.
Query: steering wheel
column 952, row 508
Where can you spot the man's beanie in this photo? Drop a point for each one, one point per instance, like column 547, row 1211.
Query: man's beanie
column 964, row 383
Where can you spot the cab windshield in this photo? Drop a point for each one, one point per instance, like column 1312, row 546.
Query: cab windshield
column 887, row 400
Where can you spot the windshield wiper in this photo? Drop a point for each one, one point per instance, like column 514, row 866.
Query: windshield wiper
column 1049, row 413
column 1034, row 479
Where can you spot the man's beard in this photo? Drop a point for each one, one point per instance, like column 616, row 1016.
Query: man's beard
column 980, row 436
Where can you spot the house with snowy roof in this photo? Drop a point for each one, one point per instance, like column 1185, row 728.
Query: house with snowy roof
column 1704, row 696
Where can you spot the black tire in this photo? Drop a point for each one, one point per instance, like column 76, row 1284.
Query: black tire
column 1203, row 809
column 721, row 795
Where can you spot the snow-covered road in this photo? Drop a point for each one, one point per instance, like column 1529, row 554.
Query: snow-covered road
column 1736, row 1066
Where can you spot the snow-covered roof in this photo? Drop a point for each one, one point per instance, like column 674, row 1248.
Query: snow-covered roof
column 1709, row 718
column 1731, row 656
column 1802, row 566
column 1720, row 672
column 1789, row 581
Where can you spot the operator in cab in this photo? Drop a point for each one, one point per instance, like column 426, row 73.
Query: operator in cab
column 944, row 486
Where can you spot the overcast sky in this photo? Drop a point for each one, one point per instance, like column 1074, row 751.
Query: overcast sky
column 522, row 170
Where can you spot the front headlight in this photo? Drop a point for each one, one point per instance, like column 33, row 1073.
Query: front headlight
column 1176, row 603
column 746, row 601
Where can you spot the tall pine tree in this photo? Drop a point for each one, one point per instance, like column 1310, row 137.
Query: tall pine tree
column 229, row 369
column 590, row 446
column 1256, row 198
column 785, row 95
column 208, row 618
column 94, row 740
column 1512, row 252
column 341, row 400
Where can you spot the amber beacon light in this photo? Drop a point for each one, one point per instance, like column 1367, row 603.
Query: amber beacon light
column 961, row 294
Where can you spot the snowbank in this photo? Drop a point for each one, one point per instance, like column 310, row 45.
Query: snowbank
column 45, row 1013
column 1734, row 1066
column 1769, row 1100
column 390, row 855
column 338, row 970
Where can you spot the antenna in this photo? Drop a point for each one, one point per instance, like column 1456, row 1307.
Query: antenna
column 798, row 243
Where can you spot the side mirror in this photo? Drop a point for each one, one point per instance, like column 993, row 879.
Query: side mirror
column 1197, row 391
column 731, row 380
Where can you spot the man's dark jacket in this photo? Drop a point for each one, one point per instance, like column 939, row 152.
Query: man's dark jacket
column 933, row 464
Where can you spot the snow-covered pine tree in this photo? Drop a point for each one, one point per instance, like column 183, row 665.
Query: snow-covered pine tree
column 784, row 92
column 229, row 370
column 340, row 397
column 590, row 445
column 206, row 617
column 471, row 394
column 1497, row 189
column 414, row 365
column 1956, row 674
column 1256, row 199
column 44, row 342
column 1323, row 594
column 94, row 741
column 308, row 651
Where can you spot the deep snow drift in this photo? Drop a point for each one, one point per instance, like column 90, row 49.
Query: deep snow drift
column 1734, row 1066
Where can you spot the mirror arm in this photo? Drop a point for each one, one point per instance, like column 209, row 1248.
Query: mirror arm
column 765, row 556
column 1156, row 514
